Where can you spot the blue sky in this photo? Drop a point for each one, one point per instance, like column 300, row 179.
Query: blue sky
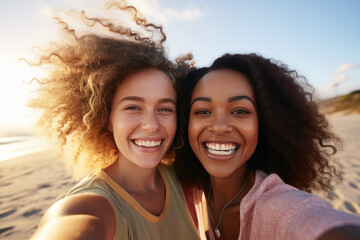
column 320, row 39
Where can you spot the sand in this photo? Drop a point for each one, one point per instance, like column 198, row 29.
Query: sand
column 32, row 183
column 28, row 186
column 346, row 195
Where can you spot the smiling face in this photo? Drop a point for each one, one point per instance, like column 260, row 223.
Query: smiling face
column 143, row 117
column 223, row 123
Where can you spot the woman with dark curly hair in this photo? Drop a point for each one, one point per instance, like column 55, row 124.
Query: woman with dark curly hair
column 110, row 104
column 257, row 140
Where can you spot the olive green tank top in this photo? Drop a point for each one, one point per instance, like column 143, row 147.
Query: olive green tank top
column 135, row 222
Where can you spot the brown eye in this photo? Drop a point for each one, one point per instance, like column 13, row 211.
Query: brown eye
column 240, row 111
column 166, row 109
column 201, row 112
column 133, row 108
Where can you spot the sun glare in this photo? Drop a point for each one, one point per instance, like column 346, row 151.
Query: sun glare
column 15, row 75
column 15, row 91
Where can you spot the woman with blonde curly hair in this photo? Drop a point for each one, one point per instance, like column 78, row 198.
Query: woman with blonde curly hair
column 110, row 102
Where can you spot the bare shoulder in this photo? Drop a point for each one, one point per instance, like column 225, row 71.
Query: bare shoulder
column 89, row 204
column 80, row 213
column 71, row 227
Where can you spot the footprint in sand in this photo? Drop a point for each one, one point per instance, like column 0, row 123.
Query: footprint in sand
column 28, row 173
column 45, row 186
column 31, row 212
column 350, row 207
column 332, row 196
column 5, row 184
column 8, row 213
column 2, row 230
column 50, row 197
column 353, row 185
column 354, row 165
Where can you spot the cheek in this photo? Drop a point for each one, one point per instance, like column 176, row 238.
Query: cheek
column 252, row 133
column 253, row 136
column 123, row 122
column 193, row 133
column 171, row 126
column 122, row 127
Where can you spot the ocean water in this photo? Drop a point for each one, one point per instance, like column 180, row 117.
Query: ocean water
column 12, row 147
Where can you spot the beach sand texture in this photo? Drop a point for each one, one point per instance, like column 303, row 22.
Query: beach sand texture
column 29, row 185
column 32, row 183
column 346, row 195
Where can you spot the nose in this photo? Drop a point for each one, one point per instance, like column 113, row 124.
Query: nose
column 150, row 122
column 220, row 124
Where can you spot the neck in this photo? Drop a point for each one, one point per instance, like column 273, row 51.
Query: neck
column 133, row 178
column 225, row 189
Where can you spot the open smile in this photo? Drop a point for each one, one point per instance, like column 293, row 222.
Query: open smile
column 220, row 149
column 147, row 143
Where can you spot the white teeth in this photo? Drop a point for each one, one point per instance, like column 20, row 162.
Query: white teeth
column 221, row 149
column 219, row 146
column 147, row 143
column 215, row 152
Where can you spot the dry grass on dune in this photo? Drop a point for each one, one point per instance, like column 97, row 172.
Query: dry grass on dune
column 349, row 103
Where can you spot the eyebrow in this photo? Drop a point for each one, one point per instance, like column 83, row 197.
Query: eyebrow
column 235, row 98
column 204, row 99
column 230, row 99
column 140, row 99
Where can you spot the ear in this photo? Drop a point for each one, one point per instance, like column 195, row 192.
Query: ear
column 109, row 126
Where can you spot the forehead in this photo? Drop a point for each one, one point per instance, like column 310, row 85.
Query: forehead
column 147, row 83
column 223, row 82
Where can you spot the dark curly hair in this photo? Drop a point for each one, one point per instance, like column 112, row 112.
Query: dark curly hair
column 83, row 72
column 295, row 140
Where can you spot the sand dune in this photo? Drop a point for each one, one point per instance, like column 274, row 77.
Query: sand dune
column 31, row 183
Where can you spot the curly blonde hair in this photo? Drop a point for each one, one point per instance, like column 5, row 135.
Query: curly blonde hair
column 75, row 99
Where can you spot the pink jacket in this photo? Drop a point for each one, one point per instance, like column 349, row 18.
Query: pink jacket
column 275, row 210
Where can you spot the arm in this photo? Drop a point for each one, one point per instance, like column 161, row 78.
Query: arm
column 350, row 232
column 80, row 227
column 82, row 216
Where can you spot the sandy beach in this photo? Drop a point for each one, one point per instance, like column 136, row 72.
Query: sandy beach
column 346, row 195
column 28, row 186
column 31, row 183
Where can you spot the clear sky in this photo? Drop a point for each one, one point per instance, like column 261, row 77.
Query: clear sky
column 320, row 39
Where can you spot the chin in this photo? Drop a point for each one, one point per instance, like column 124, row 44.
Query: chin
column 148, row 164
column 219, row 173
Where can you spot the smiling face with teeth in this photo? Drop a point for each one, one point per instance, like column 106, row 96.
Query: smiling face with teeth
column 223, row 123
column 143, row 118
